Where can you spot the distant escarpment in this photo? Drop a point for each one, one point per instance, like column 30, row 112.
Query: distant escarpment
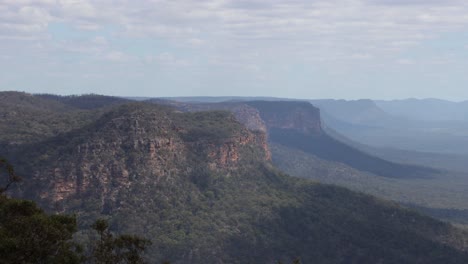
column 264, row 115
column 298, row 116
column 297, row 125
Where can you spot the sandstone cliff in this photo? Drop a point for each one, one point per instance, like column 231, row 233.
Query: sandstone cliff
column 300, row 116
column 140, row 143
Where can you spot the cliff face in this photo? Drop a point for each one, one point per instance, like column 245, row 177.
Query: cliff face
column 226, row 156
column 141, row 144
column 299, row 116
column 265, row 115
column 298, row 125
column 250, row 118
column 244, row 113
column 247, row 115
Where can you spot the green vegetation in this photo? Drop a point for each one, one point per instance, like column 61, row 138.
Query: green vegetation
column 109, row 249
column 210, row 125
column 26, row 118
column 87, row 101
column 7, row 175
column 442, row 196
column 152, row 171
column 327, row 148
column 29, row 235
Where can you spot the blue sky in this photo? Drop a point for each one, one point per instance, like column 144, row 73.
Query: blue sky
column 381, row 49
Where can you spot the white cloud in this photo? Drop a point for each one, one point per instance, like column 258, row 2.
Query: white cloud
column 384, row 24
column 100, row 40
column 404, row 61
column 196, row 41
column 166, row 59
column 118, row 56
column 361, row 56
column 228, row 35
column 169, row 59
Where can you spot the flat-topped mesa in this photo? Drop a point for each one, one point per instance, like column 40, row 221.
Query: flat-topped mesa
column 300, row 116
column 245, row 114
column 248, row 116
column 265, row 115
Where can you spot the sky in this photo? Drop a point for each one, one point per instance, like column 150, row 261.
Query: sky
column 347, row 49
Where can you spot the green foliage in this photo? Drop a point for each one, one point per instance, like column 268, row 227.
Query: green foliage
column 247, row 213
column 86, row 101
column 442, row 196
column 328, row 148
column 25, row 118
column 210, row 125
column 109, row 249
column 7, row 175
column 28, row 235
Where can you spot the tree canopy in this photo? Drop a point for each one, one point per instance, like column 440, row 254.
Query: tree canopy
column 29, row 235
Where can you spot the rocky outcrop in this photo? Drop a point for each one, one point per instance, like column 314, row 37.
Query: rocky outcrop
column 139, row 144
column 249, row 117
column 149, row 144
column 226, row 156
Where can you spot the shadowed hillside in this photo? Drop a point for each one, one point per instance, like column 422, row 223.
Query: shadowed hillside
column 328, row 148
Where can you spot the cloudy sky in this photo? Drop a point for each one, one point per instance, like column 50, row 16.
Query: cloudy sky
column 350, row 49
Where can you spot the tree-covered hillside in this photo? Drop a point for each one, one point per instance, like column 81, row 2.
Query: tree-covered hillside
column 201, row 187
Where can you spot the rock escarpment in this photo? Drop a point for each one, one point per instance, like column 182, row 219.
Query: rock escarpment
column 264, row 115
column 300, row 116
column 297, row 125
column 142, row 144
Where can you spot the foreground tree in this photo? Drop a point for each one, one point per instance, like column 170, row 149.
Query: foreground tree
column 110, row 249
column 28, row 235
column 7, row 175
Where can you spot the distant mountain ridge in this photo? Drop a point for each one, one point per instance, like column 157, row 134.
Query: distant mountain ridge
column 426, row 109
column 298, row 124
column 362, row 111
